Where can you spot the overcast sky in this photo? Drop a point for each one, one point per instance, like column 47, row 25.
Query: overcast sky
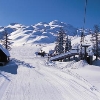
column 29, row 12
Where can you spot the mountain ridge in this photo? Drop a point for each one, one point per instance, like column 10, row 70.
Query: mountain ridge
column 41, row 32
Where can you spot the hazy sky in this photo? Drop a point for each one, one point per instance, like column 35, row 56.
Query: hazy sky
column 30, row 12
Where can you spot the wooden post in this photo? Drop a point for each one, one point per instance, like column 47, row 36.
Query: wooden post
column 91, row 58
column 69, row 58
column 74, row 57
column 85, row 54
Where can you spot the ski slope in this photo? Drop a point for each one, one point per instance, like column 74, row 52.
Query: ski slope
column 30, row 77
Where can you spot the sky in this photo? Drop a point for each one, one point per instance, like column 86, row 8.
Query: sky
column 30, row 12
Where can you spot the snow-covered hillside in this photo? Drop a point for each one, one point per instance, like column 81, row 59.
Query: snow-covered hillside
column 31, row 77
column 39, row 33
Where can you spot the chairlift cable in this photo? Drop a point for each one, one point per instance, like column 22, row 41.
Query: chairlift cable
column 85, row 14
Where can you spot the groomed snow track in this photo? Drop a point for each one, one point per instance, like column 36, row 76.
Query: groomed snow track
column 36, row 81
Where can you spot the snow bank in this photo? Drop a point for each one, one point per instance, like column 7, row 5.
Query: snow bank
column 79, row 64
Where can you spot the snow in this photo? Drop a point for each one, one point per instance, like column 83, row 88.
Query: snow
column 42, row 32
column 91, row 74
column 5, row 50
column 50, row 47
column 81, row 69
column 65, row 54
column 30, row 77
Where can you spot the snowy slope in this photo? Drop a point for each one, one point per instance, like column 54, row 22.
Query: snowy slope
column 42, row 32
column 89, row 73
column 30, row 78
column 38, row 33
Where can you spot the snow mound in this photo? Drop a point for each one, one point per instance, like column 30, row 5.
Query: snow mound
column 70, row 64
column 79, row 64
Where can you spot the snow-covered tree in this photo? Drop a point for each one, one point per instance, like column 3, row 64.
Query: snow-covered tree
column 67, row 44
column 60, row 42
column 63, row 44
column 96, row 41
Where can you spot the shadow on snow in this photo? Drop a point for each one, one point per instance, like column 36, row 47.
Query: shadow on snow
column 18, row 62
column 10, row 67
column 96, row 62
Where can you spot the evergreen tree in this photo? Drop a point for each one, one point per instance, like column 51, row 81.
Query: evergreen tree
column 67, row 44
column 60, row 42
column 63, row 44
column 96, row 41
column 6, row 42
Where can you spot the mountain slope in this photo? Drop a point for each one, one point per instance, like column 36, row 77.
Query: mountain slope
column 39, row 33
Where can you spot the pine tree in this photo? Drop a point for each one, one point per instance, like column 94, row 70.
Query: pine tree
column 60, row 42
column 6, row 41
column 96, row 41
column 67, row 44
column 63, row 44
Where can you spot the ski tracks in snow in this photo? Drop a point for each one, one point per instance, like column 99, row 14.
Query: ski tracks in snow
column 30, row 85
column 68, row 86
column 3, row 85
column 35, row 81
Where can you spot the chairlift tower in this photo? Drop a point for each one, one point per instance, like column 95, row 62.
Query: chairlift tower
column 82, row 33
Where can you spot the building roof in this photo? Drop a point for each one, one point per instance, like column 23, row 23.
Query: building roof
column 5, row 50
column 67, row 54
column 85, row 45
